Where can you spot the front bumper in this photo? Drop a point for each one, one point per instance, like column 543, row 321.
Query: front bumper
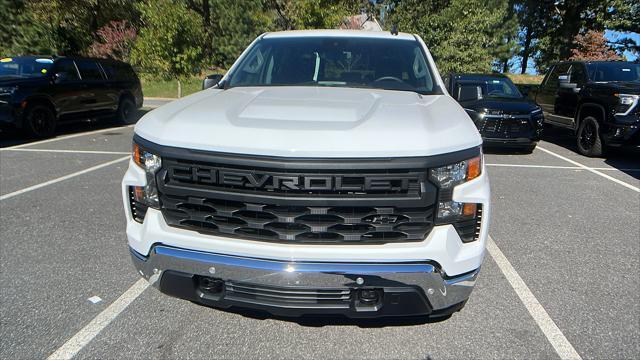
column 623, row 135
column 291, row 288
column 509, row 143
column 8, row 114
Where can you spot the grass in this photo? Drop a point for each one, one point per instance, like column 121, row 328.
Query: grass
column 169, row 89
column 526, row 79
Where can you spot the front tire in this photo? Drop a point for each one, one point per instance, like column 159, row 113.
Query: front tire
column 588, row 138
column 127, row 112
column 528, row 149
column 40, row 121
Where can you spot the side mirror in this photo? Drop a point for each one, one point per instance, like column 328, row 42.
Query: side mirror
column 564, row 82
column 60, row 77
column 211, row 81
column 469, row 93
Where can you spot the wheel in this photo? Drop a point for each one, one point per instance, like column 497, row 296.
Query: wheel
column 588, row 139
column 528, row 149
column 127, row 111
column 39, row 121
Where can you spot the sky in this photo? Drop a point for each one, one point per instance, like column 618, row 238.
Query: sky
column 614, row 35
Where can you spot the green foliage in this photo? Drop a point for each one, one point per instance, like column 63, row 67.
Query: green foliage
column 312, row 14
column 179, row 37
column 57, row 27
column 463, row 35
column 237, row 24
column 170, row 41
column 20, row 33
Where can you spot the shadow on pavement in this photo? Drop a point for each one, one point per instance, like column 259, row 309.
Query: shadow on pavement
column 625, row 161
column 333, row 320
column 14, row 137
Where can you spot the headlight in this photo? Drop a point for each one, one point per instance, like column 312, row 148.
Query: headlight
column 626, row 103
column 464, row 216
column 150, row 163
column 446, row 177
column 7, row 90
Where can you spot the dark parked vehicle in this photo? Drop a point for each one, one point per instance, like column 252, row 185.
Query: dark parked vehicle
column 504, row 117
column 37, row 93
column 598, row 100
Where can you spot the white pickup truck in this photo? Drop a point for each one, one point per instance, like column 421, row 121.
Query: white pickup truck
column 328, row 172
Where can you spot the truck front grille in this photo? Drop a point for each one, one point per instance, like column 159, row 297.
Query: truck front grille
column 505, row 126
column 299, row 200
column 298, row 224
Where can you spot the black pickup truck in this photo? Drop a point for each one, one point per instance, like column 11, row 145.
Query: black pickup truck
column 504, row 117
column 37, row 92
column 598, row 100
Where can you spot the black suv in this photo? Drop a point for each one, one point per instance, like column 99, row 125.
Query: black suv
column 36, row 93
column 598, row 100
column 504, row 117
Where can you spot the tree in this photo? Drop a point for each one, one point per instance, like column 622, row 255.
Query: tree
column 535, row 18
column 313, row 14
column 569, row 18
column 114, row 41
column 169, row 45
column 463, row 35
column 238, row 23
column 592, row 46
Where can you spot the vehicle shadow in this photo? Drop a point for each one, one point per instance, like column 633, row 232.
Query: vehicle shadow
column 625, row 161
column 495, row 150
column 14, row 137
column 336, row 320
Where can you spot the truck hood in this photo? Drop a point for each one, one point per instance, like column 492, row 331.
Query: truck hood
column 312, row 122
column 626, row 87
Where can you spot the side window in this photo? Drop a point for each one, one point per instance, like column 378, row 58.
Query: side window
column 110, row 70
column 69, row 68
column 89, row 70
column 578, row 74
column 552, row 81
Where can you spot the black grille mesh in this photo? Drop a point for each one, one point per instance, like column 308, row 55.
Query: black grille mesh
column 288, row 295
column 469, row 230
column 138, row 209
column 298, row 224
column 505, row 127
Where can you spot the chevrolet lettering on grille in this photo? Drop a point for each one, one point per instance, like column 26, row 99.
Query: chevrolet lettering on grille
column 288, row 182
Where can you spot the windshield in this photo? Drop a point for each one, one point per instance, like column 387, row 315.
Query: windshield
column 335, row 61
column 614, row 71
column 489, row 87
column 25, row 67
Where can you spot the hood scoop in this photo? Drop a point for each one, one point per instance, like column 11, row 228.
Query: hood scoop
column 304, row 108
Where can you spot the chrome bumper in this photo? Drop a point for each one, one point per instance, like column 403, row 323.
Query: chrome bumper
column 441, row 291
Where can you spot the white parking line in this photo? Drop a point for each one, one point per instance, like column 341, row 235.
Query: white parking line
column 70, row 348
column 70, row 136
column 549, row 328
column 627, row 185
column 562, row 167
column 62, row 178
column 72, row 151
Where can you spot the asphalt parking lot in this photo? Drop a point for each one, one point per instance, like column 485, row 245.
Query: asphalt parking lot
column 561, row 278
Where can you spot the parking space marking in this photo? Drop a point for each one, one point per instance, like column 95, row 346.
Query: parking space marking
column 83, row 337
column 627, row 185
column 549, row 328
column 561, row 167
column 70, row 136
column 62, row 178
column 71, row 151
